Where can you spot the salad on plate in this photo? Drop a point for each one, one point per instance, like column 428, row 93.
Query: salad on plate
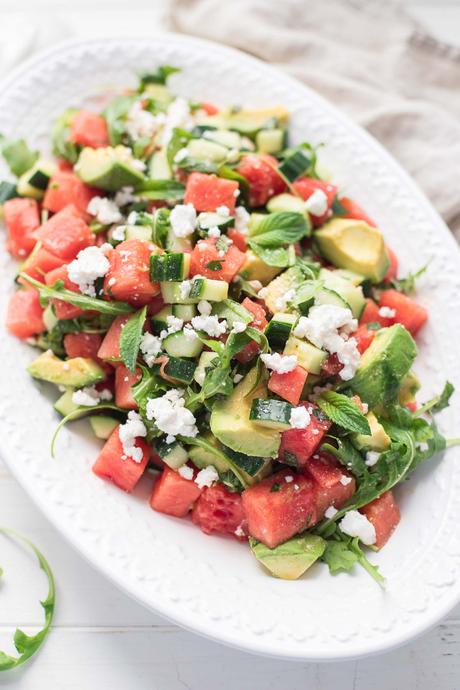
column 229, row 322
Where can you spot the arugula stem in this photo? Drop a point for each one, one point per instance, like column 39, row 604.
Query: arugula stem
column 371, row 569
column 452, row 442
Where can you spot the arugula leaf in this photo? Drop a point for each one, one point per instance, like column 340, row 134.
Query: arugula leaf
column 28, row 645
column 201, row 442
column 338, row 556
column 310, row 269
column 239, row 285
column 160, row 226
column 130, row 338
column 168, row 190
column 82, row 412
column 439, row 402
column 57, row 291
column 179, row 140
column 348, row 455
column 60, row 137
column 18, row 156
column 343, row 411
column 115, row 114
column 158, row 76
column 407, row 284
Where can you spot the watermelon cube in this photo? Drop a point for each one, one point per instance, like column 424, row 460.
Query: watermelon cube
column 384, row 514
column 288, row 386
column 407, row 312
column 65, row 233
column 219, row 510
column 21, row 217
column 334, row 486
column 174, row 495
column 66, row 188
column 110, row 347
column 128, row 278
column 64, row 310
column 89, row 129
column 39, row 263
column 279, row 507
column 82, row 344
column 298, row 445
column 113, row 464
column 24, row 317
column 205, row 251
column 208, row 192
column 124, row 381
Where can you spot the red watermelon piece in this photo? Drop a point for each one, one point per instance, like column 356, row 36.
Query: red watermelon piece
column 264, row 180
column 205, row 251
column 124, row 381
column 65, row 189
column 218, row 510
column 65, row 234
column 384, row 514
column 353, row 210
column 334, row 486
column 306, row 186
column 208, row 192
column 174, row 495
column 24, row 317
column 64, row 310
column 82, row 344
column 128, row 278
column 300, row 444
column 407, row 312
column 89, row 129
column 288, row 386
column 260, row 322
column 39, row 263
column 113, row 464
column 22, row 217
column 110, row 347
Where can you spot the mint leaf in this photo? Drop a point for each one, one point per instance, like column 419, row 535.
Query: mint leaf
column 130, row 339
column 18, row 156
column 115, row 114
column 28, row 645
column 280, row 257
column 343, row 411
column 278, row 229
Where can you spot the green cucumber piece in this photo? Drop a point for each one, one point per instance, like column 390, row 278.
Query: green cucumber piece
column 181, row 370
column 169, row 266
column 158, row 320
column 186, row 312
column 287, row 202
column 225, row 137
column 274, row 414
column 201, row 289
column 306, row 294
column 203, row 363
column 279, row 329
column 205, row 150
column 178, row 345
column 271, row 140
column 294, row 165
column 308, row 356
column 34, row 182
column 49, row 317
column 64, row 404
column 327, row 296
column 102, row 425
column 173, row 454
column 138, row 232
column 158, row 166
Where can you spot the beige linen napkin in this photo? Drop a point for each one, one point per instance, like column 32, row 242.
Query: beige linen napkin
column 370, row 59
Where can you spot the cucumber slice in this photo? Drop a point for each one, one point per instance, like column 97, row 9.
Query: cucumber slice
column 201, row 288
column 306, row 294
column 64, row 404
column 49, row 317
column 208, row 220
column 225, row 137
column 158, row 167
column 203, row 363
column 159, row 322
column 271, row 140
column 327, row 296
column 186, row 312
column 274, row 414
column 169, row 267
column 103, row 426
column 181, row 370
column 205, row 150
column 8, row 190
column 287, row 202
column 294, row 165
column 34, row 182
column 279, row 329
column 344, row 283
column 178, row 345
column 173, row 454
column 308, row 356
column 350, row 276
column 177, row 244
column 138, row 232
column 232, row 311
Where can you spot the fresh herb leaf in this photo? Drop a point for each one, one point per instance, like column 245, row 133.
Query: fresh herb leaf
column 28, row 645
column 407, row 284
column 115, row 114
column 339, row 557
column 63, row 147
column 78, row 414
column 348, row 455
column 278, row 229
column 439, row 402
column 337, row 208
column 179, row 140
column 281, row 257
column 157, row 76
column 201, row 442
column 18, row 156
column 343, row 411
column 275, row 487
column 130, row 338
column 168, row 190
column 57, row 291
column 161, row 226
column 222, row 244
column 373, row 326
column 215, row 265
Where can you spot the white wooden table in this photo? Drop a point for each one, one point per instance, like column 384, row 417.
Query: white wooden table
column 100, row 638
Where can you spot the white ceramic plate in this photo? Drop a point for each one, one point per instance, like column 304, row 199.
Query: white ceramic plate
column 212, row 585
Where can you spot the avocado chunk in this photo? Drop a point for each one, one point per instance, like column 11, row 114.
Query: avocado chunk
column 354, row 245
column 230, row 421
column 290, row 560
column 409, row 387
column 256, row 269
column 378, row 439
column 76, row 372
column 277, row 288
column 64, row 405
column 384, row 365
column 108, row 168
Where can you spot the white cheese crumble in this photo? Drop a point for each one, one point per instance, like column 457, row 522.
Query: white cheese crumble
column 105, row 210
column 125, row 196
column 150, row 347
column 237, row 378
column 189, row 333
column 206, row 476
column 90, row 396
column 119, row 233
column 288, row 478
column 356, row 524
column 141, row 124
column 185, row 472
column 321, row 327
column 214, row 231
column 330, row 512
column 223, row 211
column 210, row 325
column 344, row 480
column 300, row 418
column 177, row 115
column 282, row 364
column 238, row 327
column 183, row 220
column 387, row 312
column 174, row 323
column 133, row 428
column 204, row 307
column 317, row 203
column 241, row 219
column 372, row 457
column 239, row 532
column 282, row 302
column 185, row 288
column 181, row 155
column 91, row 263
column 170, row 414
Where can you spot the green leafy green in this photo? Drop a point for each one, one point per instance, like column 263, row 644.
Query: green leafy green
column 201, row 442
column 131, row 337
column 8, row 190
column 115, row 114
column 179, row 140
column 18, row 156
column 407, row 284
column 348, row 455
column 28, row 645
column 281, row 257
column 82, row 412
column 157, row 76
column 342, row 553
column 168, row 190
column 161, row 226
column 57, row 291
column 343, row 411
column 63, row 147
column 439, row 402
column 273, row 234
column 215, row 265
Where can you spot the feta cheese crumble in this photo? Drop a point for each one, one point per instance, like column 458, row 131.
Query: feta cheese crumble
column 133, row 428
column 141, row 124
column 177, row 115
column 90, row 396
column 288, row 478
column 387, row 312
column 174, row 323
column 344, row 480
column 150, row 347
column 214, row 231
column 183, row 220
column 170, row 414
column 125, row 196
column 105, row 210
column 210, row 325
column 204, row 307
column 317, row 204
column 282, row 302
column 91, row 263
column 237, row 378
column 223, row 211
column 330, row 512
column 238, row 327
column 185, row 472
column 372, row 457
column 282, row 364
column 241, row 219
column 119, row 233
column 185, row 288
column 300, row 418
column 321, row 327
column 356, row 524
column 206, row 476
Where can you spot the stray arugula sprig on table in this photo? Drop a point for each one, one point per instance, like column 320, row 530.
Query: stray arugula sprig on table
column 28, row 645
